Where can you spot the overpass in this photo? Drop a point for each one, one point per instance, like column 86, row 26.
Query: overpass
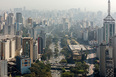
column 60, row 66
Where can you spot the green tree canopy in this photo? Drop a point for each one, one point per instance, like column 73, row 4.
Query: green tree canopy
column 67, row 74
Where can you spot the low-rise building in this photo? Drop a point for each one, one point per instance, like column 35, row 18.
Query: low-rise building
column 23, row 64
column 76, row 51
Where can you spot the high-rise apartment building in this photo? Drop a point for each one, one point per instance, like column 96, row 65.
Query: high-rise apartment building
column 0, row 50
column 109, row 63
column 19, row 21
column 113, row 41
column 106, row 61
column 10, row 19
column 43, row 36
column 100, row 35
column 66, row 24
column 1, row 19
column 102, row 59
column 40, row 45
column 5, row 16
column 30, row 21
column 28, row 47
column 19, row 18
column 9, row 30
column 7, row 48
column 35, row 51
column 109, row 26
column 85, row 35
column 12, row 48
column 18, row 43
column 3, row 68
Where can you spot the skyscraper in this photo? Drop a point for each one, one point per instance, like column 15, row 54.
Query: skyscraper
column 9, row 30
column 100, row 35
column 3, row 68
column 10, row 19
column 108, row 26
column 113, row 41
column 12, row 48
column 1, row 19
column 5, row 16
column 109, row 62
column 35, row 51
column 9, row 27
column 28, row 48
column 18, row 42
column 85, row 35
column 102, row 59
column 40, row 45
column 18, row 18
column 5, row 50
column 43, row 36
column 106, row 61
column 19, row 21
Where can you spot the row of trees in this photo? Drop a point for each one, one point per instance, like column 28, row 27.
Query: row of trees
column 67, row 74
column 47, row 54
column 80, row 68
column 56, row 52
column 67, row 54
column 39, row 69
column 64, row 42
column 63, row 61
column 96, row 69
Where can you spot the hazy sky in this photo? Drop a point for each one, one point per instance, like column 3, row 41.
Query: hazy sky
column 90, row 5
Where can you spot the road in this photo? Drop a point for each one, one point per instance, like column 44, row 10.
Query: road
column 59, row 47
column 90, row 61
column 56, row 73
column 52, row 47
column 60, row 56
column 53, row 60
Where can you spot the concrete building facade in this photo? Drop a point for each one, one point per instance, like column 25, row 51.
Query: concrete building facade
column 35, row 51
column 102, row 59
column 109, row 63
column 27, row 46
column 23, row 64
column 108, row 26
column 3, row 68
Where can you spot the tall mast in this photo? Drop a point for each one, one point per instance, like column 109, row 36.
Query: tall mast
column 108, row 7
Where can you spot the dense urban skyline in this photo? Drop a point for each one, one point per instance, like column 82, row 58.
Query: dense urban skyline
column 58, row 4
column 48, row 37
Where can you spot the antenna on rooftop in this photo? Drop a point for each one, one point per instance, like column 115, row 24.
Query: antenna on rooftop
column 108, row 7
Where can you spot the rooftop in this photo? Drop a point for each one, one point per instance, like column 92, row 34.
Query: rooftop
column 109, row 18
column 76, row 54
column 22, row 57
column 27, row 38
column 6, row 36
column 77, row 47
